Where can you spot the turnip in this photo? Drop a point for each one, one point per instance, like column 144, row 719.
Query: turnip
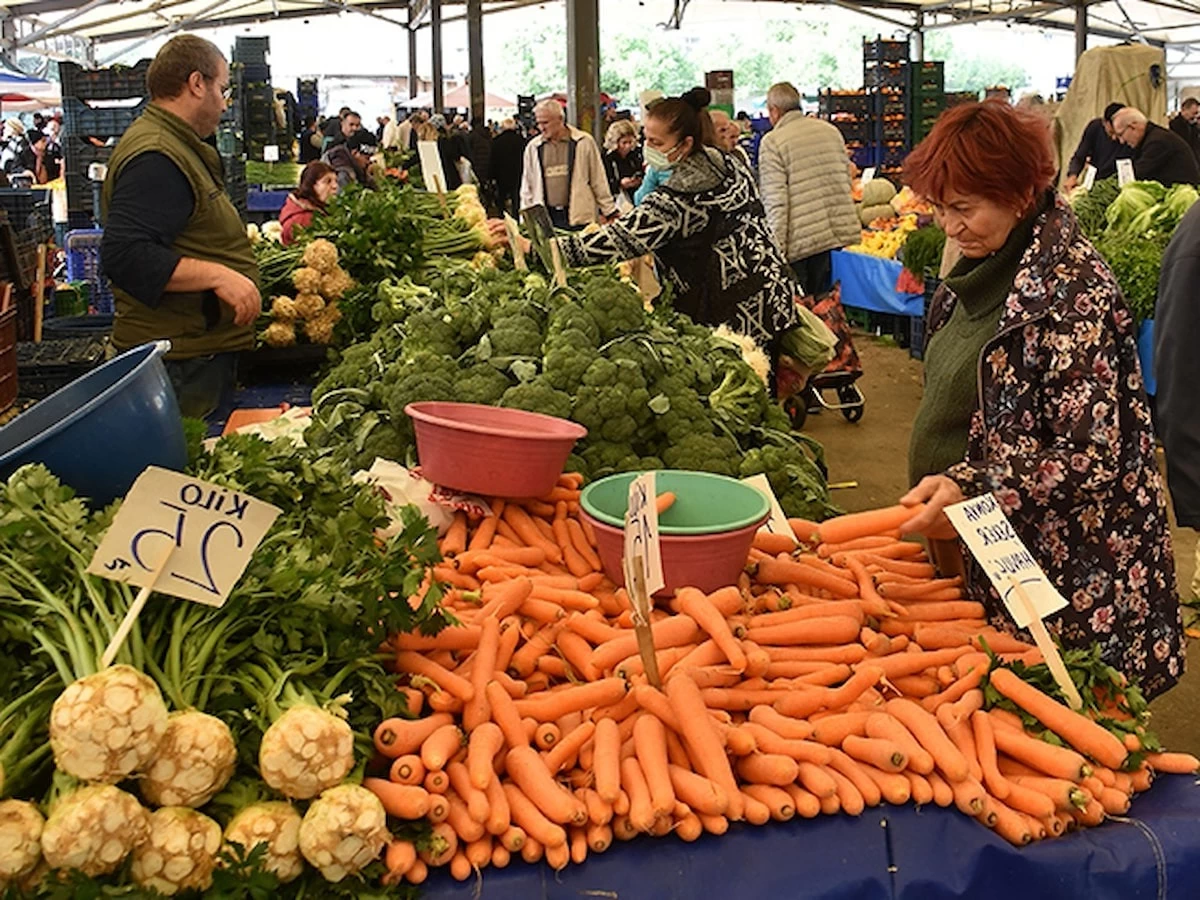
column 194, row 761
column 305, row 751
column 344, row 830
column 20, row 839
column 107, row 726
column 181, row 852
column 93, row 829
column 275, row 824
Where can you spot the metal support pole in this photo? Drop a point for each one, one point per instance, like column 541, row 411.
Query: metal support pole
column 1081, row 28
column 414, row 87
column 435, row 31
column 583, row 65
column 475, row 61
column 918, row 38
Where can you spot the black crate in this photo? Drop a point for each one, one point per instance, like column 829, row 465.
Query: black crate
column 927, row 104
column 256, row 73
column 8, row 358
column 891, row 156
column 885, row 75
column 892, row 130
column 28, row 211
column 44, row 368
column 927, row 76
column 113, row 83
column 259, row 116
column 880, row 50
column 84, row 120
column 831, row 103
column 78, row 155
column 257, row 93
column 81, row 195
column 247, row 49
column 958, row 98
column 854, row 130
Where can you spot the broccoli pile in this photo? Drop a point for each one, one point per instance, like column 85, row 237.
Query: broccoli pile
column 653, row 388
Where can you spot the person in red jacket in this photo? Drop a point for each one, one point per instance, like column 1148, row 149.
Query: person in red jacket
column 318, row 183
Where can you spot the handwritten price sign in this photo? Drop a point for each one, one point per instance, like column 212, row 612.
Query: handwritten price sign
column 206, row 532
column 643, row 559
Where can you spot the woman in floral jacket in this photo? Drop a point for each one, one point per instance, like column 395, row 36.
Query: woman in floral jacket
column 1034, row 393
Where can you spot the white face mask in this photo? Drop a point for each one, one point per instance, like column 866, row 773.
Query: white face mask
column 659, row 159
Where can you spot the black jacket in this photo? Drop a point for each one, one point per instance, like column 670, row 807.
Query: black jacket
column 1177, row 367
column 1165, row 157
column 1190, row 134
column 508, row 159
column 1098, row 148
column 618, row 167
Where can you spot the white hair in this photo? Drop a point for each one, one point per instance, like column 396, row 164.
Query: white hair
column 783, row 97
column 551, row 107
column 1130, row 116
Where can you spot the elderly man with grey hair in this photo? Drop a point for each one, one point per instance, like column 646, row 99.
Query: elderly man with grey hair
column 1158, row 153
column 805, row 180
column 563, row 171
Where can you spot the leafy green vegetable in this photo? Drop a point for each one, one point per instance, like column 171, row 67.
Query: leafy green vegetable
column 922, row 252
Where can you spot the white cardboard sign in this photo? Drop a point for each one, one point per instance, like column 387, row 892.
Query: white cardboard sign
column 641, row 537
column 209, row 532
column 991, row 539
column 271, row 153
column 868, row 175
column 778, row 521
column 1125, row 172
column 1089, row 176
column 431, row 167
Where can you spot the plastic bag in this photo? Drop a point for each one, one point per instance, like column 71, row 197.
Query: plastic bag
column 405, row 487
column 810, row 343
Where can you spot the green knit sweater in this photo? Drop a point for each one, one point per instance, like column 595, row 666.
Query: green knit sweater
column 980, row 286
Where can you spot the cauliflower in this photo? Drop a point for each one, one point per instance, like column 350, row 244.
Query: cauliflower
column 752, row 354
column 307, row 280
column 273, row 231
column 483, row 260
column 309, row 305
column 321, row 255
column 253, row 233
column 335, row 284
column 283, row 309
column 280, row 334
column 320, row 329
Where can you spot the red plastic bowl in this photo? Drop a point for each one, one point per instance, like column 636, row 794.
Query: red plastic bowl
column 704, row 561
column 489, row 450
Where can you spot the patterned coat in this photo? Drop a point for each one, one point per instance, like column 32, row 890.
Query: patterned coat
column 708, row 233
column 1062, row 436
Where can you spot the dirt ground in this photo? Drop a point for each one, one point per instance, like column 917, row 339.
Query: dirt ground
column 870, row 458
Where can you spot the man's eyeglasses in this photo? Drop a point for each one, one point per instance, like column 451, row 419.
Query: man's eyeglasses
column 226, row 91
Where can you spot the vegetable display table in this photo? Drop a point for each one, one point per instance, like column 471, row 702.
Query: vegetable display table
column 888, row 852
column 869, row 282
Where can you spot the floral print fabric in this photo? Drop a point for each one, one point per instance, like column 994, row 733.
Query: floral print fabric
column 1062, row 435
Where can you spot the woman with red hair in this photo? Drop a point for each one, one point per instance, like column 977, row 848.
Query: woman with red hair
column 318, row 184
column 1033, row 393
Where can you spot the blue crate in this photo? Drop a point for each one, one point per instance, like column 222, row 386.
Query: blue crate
column 83, row 264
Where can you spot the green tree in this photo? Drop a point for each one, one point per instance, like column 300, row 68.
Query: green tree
column 535, row 62
column 972, row 72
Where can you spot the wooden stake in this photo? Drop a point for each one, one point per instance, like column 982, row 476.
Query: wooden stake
column 1046, row 644
column 39, row 294
column 640, row 602
column 135, row 609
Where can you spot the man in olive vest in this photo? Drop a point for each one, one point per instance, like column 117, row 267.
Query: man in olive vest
column 174, row 246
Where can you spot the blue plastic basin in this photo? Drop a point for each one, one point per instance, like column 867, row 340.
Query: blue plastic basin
column 99, row 432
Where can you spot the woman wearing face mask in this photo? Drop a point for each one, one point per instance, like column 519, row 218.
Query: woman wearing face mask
column 1033, row 393
column 705, row 226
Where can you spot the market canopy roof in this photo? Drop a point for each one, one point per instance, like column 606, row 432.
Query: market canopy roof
column 460, row 98
column 20, row 93
column 1156, row 21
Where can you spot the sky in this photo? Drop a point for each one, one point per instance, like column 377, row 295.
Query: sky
column 352, row 44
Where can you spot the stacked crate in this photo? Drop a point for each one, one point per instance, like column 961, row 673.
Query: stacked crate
column 886, row 80
column 308, row 101
column 850, row 113
column 97, row 109
column 927, row 98
column 254, row 98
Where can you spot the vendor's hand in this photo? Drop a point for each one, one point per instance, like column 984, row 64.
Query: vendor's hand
column 631, row 182
column 500, row 234
column 241, row 295
column 1069, row 184
column 936, row 492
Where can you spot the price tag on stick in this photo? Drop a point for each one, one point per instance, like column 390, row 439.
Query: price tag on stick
column 643, row 566
column 1125, row 172
column 1089, row 177
column 514, row 242
column 1026, row 591
column 868, row 175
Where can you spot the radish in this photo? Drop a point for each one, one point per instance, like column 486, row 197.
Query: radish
column 181, row 852
column 93, row 829
column 194, row 761
column 20, row 839
column 276, row 824
column 344, row 830
column 107, row 726
column 305, row 751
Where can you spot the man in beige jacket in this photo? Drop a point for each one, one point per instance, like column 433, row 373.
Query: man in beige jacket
column 564, row 172
column 805, row 180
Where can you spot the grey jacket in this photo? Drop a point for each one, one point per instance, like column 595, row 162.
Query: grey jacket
column 805, row 178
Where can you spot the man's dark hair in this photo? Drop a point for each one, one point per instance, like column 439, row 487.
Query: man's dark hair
column 362, row 141
column 343, row 112
column 1111, row 110
column 1189, row 103
column 174, row 64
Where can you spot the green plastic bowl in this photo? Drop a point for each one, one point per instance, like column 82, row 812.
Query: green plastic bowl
column 703, row 538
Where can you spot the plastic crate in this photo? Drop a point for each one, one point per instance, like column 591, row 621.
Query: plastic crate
column 830, row 103
column 251, row 48
column 28, row 211
column 916, row 337
column 256, row 72
column 113, row 83
column 957, row 98
column 83, row 264
column 886, row 74
column 81, row 196
column 46, row 367
column 928, row 76
column 854, row 130
column 8, row 358
column 78, row 155
column 880, row 50
column 98, row 121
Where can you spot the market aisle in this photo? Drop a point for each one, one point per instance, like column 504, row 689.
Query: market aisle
column 874, row 451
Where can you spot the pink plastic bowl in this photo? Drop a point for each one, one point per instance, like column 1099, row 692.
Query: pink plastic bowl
column 489, row 450
column 704, row 561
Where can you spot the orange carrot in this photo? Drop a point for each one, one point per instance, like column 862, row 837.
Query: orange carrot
column 887, row 727
column 530, row 774
column 546, row 735
column 1173, row 763
column 454, row 541
column 477, row 710
column 417, row 664
column 943, row 795
column 985, row 748
column 484, row 533
column 531, row 821
column 864, row 524
column 606, row 760
column 404, row 801
column 448, row 845
column 785, row 570
column 929, row 734
column 407, row 769
column 650, row 747
column 768, row 768
column 881, row 753
column 701, row 794
column 474, row 798
column 527, row 531
column 398, row 859
column 822, row 630
column 944, row 610
column 505, row 715
column 1009, row 824
column 551, row 706
column 440, row 746
column 785, row 727
column 893, row 787
column 771, row 543
column 1058, row 762
column 700, row 737
column 672, row 632
column 864, row 543
column 663, row 502
column 834, row 729
column 695, row 604
column 556, row 760
column 633, row 781
column 524, row 661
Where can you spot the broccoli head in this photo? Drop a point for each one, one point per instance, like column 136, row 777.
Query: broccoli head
column 481, row 383
column 613, row 401
column 703, row 453
column 423, row 376
column 740, row 400
column 429, row 330
column 515, row 335
column 604, row 457
column 570, row 316
column 537, row 395
column 794, row 478
column 682, row 411
column 615, row 306
column 566, row 363
column 383, row 441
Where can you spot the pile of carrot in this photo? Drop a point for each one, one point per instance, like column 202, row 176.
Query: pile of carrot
column 824, row 682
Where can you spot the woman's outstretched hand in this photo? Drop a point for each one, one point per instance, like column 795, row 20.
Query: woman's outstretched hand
column 936, row 492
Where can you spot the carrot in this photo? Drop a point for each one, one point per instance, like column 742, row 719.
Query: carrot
column 898, row 566
column 900, row 664
column 440, row 746
column 700, row 737
column 397, row 737
column 944, row 610
column 943, row 795
column 969, row 796
column 985, row 748
column 884, row 726
column 448, row 845
column 701, row 794
column 473, row 561
column 848, row 653
column 407, row 769
column 398, row 858
column 477, row 710
column 768, row 768
column 524, row 661
column 546, row 735
column 484, row 533
column 505, row 715
column 672, row 632
column 599, row 811
column 834, row 729
column 530, row 774
column 771, row 543
column 1058, row 762
column 473, row 797
column 848, row 767
column 882, row 753
column 929, row 734
column 417, row 664
column 501, row 856
column 785, row 570
column 894, row 787
column 695, row 604
column 531, row 821
column 439, row 807
column 1029, row 801
column 417, row 873
column 1173, row 763
column 784, row 726
column 864, row 524
column 551, row 706
column 663, row 502
column 768, row 741
column 528, row 533
column 557, row 759
column 1009, row 824
column 1077, row 730
column 902, row 550
column 920, row 790
column 499, row 816
column 822, row 630
column 633, row 781
column 606, row 760
column 436, row 781
column 404, row 801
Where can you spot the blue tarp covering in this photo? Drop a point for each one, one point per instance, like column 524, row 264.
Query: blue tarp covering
column 1145, row 341
column 897, row 853
column 869, row 282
